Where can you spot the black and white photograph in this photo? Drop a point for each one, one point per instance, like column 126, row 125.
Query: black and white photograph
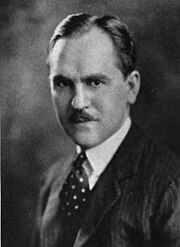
column 90, row 120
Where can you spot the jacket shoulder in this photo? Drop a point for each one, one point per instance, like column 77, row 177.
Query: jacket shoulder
column 57, row 169
column 156, row 162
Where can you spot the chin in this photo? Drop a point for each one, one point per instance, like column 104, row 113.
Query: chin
column 85, row 135
column 85, row 141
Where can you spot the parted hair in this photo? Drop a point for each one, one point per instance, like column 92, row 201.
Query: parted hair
column 78, row 24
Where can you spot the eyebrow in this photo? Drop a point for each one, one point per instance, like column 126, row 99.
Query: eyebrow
column 98, row 76
column 61, row 78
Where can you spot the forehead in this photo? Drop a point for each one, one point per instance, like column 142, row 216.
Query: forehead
column 90, row 53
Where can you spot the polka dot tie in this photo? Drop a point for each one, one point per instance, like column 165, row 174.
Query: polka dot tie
column 75, row 190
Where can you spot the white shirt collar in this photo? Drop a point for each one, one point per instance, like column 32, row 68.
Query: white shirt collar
column 99, row 156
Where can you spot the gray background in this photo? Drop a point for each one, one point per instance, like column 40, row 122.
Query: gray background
column 31, row 137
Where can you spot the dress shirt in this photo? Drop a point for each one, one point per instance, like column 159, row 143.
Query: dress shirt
column 98, row 157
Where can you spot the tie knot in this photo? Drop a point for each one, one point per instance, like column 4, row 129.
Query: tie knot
column 79, row 160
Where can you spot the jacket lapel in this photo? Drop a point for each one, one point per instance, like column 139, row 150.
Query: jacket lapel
column 50, row 224
column 108, row 188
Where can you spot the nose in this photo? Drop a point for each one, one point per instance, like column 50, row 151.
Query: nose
column 80, row 99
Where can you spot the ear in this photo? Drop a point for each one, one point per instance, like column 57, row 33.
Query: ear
column 133, row 86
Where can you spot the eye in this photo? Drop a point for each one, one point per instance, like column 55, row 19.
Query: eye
column 95, row 83
column 61, row 83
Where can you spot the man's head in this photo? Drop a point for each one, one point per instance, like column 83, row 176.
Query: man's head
column 93, row 77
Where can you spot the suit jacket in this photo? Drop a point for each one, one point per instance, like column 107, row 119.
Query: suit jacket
column 136, row 201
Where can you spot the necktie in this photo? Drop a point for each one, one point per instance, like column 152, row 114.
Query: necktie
column 75, row 191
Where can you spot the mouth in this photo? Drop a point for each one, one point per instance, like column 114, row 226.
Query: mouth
column 82, row 122
column 81, row 118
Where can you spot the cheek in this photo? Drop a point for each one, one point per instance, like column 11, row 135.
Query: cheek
column 113, row 101
column 60, row 104
column 120, row 97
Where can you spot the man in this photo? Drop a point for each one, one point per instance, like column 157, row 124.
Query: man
column 119, row 188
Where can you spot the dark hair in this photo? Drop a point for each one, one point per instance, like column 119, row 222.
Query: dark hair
column 79, row 24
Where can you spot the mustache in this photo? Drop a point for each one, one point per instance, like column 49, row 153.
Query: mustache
column 81, row 116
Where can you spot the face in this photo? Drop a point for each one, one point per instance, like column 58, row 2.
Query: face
column 90, row 94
